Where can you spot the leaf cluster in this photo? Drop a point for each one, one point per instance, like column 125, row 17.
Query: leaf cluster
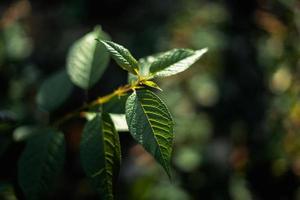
column 146, row 116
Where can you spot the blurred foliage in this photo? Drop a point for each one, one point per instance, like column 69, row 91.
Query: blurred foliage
column 237, row 111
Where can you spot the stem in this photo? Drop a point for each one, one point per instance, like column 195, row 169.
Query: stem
column 99, row 101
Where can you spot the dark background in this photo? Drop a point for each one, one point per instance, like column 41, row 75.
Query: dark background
column 237, row 111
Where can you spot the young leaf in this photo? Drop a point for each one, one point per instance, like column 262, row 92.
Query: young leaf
column 100, row 154
column 174, row 61
column 151, row 84
column 144, row 65
column 151, row 125
column 40, row 162
column 122, row 56
column 54, row 91
column 87, row 59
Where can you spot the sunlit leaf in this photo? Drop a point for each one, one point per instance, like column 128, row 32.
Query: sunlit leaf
column 151, row 84
column 122, row 56
column 40, row 163
column 87, row 59
column 174, row 61
column 54, row 91
column 119, row 121
column 151, row 125
column 100, row 154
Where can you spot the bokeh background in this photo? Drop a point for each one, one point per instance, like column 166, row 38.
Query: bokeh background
column 237, row 111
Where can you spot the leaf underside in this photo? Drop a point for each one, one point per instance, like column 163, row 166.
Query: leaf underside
column 100, row 154
column 87, row 59
column 151, row 125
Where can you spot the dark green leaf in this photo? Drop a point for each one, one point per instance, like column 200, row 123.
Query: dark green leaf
column 87, row 59
column 40, row 163
column 54, row 91
column 100, row 154
column 151, row 125
column 122, row 56
column 174, row 61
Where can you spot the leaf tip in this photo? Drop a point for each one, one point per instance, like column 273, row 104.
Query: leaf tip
column 106, row 43
column 202, row 51
column 101, row 41
column 168, row 172
column 98, row 28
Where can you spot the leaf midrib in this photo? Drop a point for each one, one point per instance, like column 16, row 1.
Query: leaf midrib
column 165, row 164
column 45, row 158
column 105, row 161
column 176, row 63
column 91, row 63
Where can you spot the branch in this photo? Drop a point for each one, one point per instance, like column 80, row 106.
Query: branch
column 99, row 101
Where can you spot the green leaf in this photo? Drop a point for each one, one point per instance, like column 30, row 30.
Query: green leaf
column 40, row 163
column 122, row 56
column 144, row 64
column 100, row 154
column 87, row 59
column 151, row 84
column 174, row 61
column 131, row 78
column 54, row 91
column 151, row 125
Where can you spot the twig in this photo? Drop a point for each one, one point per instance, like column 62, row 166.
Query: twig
column 99, row 101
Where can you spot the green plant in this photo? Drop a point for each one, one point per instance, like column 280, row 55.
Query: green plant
column 148, row 118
